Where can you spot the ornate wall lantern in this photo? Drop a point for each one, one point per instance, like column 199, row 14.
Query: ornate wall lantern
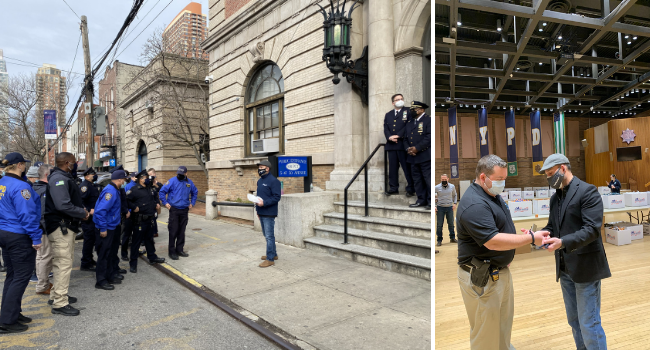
column 337, row 49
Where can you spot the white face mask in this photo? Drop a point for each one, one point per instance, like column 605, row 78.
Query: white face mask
column 399, row 104
column 497, row 186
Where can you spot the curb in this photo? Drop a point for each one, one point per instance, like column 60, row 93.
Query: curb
column 207, row 295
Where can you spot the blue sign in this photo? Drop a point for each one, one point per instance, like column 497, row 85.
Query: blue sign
column 111, row 162
column 49, row 122
column 292, row 167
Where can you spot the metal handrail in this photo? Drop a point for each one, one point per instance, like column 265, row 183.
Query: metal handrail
column 364, row 167
column 233, row 204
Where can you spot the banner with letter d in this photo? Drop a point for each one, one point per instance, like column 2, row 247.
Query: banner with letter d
column 453, row 143
column 512, row 146
column 536, row 141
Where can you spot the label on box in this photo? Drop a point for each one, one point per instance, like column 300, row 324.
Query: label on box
column 542, row 194
column 613, row 201
column 528, row 194
column 519, row 209
column 515, row 194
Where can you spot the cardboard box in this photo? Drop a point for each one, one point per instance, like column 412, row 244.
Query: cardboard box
column 504, row 195
column 541, row 206
column 515, row 195
column 551, row 192
column 613, row 201
column 604, row 190
column 636, row 199
column 528, row 189
column 528, row 194
column 636, row 231
column 519, row 209
column 618, row 237
column 542, row 194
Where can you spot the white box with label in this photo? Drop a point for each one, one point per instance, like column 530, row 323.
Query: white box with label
column 617, row 237
column 528, row 194
column 541, row 206
column 519, row 209
column 613, row 201
column 504, row 195
column 636, row 232
column 515, row 195
column 551, row 192
column 541, row 194
column 604, row 190
column 636, row 199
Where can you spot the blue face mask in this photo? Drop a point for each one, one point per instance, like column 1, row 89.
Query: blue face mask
column 123, row 185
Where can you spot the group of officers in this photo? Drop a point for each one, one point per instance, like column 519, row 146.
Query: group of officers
column 40, row 213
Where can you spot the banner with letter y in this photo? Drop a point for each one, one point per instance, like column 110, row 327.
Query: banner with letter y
column 453, row 143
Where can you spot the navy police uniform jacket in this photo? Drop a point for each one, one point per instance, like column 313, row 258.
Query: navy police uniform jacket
column 418, row 135
column 143, row 198
column 63, row 201
column 177, row 193
column 89, row 194
column 108, row 209
column 395, row 124
column 269, row 189
column 20, row 206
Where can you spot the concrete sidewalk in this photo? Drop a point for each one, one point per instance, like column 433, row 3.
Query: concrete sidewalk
column 323, row 301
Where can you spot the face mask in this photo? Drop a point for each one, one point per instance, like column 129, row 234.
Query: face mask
column 497, row 187
column 261, row 171
column 444, row 183
column 94, row 178
column 399, row 104
column 556, row 180
column 180, row 177
column 147, row 182
column 123, row 184
column 128, row 179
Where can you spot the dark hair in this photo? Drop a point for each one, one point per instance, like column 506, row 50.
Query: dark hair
column 614, row 176
column 392, row 99
column 486, row 165
column 62, row 157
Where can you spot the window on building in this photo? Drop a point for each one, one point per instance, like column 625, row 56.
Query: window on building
column 264, row 108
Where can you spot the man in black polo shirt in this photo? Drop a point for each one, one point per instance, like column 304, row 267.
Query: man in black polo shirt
column 487, row 238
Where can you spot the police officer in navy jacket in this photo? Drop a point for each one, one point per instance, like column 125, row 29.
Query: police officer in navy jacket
column 127, row 225
column 417, row 142
column 394, row 128
column 89, row 196
column 175, row 195
column 20, row 237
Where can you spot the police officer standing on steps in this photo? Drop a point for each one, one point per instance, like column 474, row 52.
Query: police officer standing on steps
column 124, row 214
column 143, row 198
column 63, row 211
column 417, row 142
column 175, row 195
column 127, row 229
column 107, row 219
column 89, row 196
column 394, row 129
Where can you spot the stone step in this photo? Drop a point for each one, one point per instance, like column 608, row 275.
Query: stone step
column 385, row 241
column 388, row 211
column 393, row 226
column 381, row 197
column 391, row 261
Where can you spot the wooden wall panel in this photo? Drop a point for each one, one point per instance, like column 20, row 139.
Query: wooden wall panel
column 437, row 140
column 468, row 131
column 548, row 142
column 573, row 138
column 638, row 169
column 445, row 138
column 529, row 142
column 500, row 142
column 519, row 138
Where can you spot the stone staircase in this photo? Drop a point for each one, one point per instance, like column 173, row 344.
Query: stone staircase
column 393, row 237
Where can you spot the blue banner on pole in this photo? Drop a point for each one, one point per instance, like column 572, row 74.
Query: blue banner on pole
column 293, row 167
column 536, row 141
column 483, row 132
column 512, row 145
column 453, row 143
column 49, row 121
column 111, row 162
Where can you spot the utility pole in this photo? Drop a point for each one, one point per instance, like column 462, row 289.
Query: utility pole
column 90, row 133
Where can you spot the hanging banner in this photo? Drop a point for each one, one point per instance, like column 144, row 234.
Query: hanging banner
column 536, row 141
column 512, row 146
column 453, row 143
column 483, row 132
column 50, row 124
column 558, row 127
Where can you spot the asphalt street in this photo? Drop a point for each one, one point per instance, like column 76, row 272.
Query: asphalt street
column 147, row 311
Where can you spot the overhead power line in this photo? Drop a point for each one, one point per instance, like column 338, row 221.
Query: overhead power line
column 72, row 10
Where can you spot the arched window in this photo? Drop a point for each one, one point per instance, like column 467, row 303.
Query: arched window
column 143, row 158
column 265, row 106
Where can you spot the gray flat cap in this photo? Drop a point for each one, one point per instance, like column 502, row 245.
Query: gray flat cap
column 32, row 172
column 553, row 160
column 265, row 163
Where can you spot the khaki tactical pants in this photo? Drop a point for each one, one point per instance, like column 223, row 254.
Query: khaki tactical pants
column 490, row 311
column 43, row 264
column 62, row 257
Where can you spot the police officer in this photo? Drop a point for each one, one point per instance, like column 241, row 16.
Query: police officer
column 142, row 198
column 89, row 196
column 127, row 230
column 124, row 214
column 417, row 142
column 394, row 129
column 20, row 238
column 108, row 219
column 156, row 186
column 63, row 211
column 175, row 195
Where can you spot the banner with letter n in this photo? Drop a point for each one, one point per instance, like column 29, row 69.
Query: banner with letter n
column 453, row 143
column 49, row 122
column 483, row 132
column 512, row 145
column 536, row 141
column 558, row 127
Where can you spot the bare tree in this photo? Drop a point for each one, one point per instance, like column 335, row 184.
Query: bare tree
column 173, row 82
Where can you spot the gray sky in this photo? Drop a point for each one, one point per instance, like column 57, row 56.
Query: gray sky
column 47, row 31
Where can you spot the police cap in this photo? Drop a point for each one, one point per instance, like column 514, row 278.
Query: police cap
column 118, row 175
column 418, row 104
column 90, row 171
column 15, row 158
column 143, row 173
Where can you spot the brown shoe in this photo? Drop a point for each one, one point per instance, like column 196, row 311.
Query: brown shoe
column 267, row 263
column 47, row 291
column 437, row 251
column 276, row 258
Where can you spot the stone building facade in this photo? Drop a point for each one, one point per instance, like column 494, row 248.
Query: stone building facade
column 266, row 60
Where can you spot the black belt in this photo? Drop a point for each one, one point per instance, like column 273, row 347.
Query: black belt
column 468, row 268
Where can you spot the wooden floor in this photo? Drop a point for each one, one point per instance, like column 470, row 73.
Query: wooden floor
column 540, row 318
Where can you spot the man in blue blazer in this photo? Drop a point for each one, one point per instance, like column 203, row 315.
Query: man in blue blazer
column 394, row 128
column 417, row 142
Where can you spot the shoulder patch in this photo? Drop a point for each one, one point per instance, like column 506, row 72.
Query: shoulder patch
column 188, row 185
column 108, row 196
column 167, row 183
column 128, row 192
column 84, row 188
column 60, row 183
column 26, row 194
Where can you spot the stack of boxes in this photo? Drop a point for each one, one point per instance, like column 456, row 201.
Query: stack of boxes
column 531, row 201
column 620, row 233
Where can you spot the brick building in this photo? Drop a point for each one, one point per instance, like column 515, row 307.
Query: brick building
column 266, row 60
column 76, row 140
column 183, row 36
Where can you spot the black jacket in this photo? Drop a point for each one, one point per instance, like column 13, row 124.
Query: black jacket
column 89, row 194
column 418, row 134
column 395, row 125
column 41, row 187
column 143, row 198
column 578, row 223
column 63, row 201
